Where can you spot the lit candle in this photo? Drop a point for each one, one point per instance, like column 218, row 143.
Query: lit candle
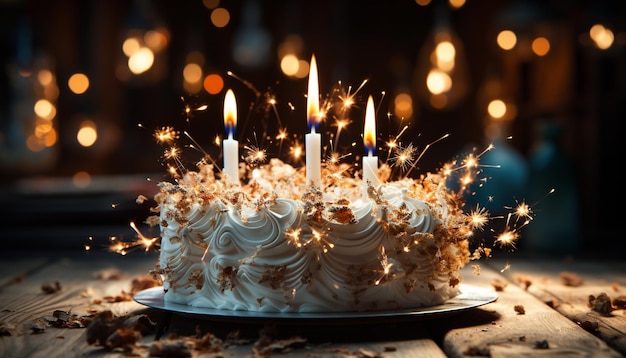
column 230, row 146
column 370, row 162
column 313, row 141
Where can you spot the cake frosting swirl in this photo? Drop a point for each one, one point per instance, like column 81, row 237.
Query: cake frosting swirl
column 274, row 244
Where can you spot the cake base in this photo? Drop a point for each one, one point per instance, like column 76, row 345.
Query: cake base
column 470, row 297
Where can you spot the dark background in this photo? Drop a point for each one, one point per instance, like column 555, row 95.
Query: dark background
column 575, row 96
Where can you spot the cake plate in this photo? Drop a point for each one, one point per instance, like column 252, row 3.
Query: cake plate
column 469, row 298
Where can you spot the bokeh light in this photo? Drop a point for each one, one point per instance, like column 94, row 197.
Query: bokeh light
column 78, row 83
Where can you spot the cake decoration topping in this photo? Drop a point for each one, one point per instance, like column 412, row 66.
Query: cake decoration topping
column 267, row 234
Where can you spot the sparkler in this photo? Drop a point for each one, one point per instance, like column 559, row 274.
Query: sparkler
column 124, row 247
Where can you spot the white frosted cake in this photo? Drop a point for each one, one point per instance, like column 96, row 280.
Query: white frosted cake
column 274, row 244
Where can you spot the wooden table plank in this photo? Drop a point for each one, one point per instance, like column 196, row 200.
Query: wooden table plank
column 495, row 329
column 383, row 339
column 14, row 269
column 421, row 348
column 506, row 333
column 24, row 303
column 550, row 281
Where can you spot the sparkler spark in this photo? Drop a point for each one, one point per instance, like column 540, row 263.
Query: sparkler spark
column 402, row 159
column 141, row 241
column 335, row 158
column 479, row 218
column 282, row 134
column 507, row 238
column 293, row 236
column 393, row 143
column 424, row 151
column 385, row 267
column 523, row 211
column 296, row 151
column 88, row 245
column 189, row 109
column 341, row 124
column 166, row 135
column 315, row 238
column 196, row 145
column 172, row 153
column 255, row 155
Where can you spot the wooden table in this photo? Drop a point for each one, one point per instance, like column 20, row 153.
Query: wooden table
column 46, row 299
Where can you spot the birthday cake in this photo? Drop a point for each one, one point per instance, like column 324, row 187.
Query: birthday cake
column 275, row 244
column 325, row 237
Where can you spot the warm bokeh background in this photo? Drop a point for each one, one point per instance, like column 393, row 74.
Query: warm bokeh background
column 74, row 157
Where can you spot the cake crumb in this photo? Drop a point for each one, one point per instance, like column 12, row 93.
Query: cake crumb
column 265, row 346
column 7, row 329
column 590, row 326
column 38, row 326
column 552, row 303
column 476, row 270
column 524, row 280
column 366, row 353
column 571, row 279
column 601, row 303
column 274, row 275
column 519, row 309
column 124, row 338
column 67, row 319
column 50, row 288
column 138, row 284
column 499, row 285
column 169, row 348
column 110, row 331
column 108, row 275
column 619, row 302
column 477, row 351
column 360, row 353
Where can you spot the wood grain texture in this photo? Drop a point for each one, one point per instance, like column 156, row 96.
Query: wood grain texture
column 550, row 284
column 540, row 331
column 15, row 270
column 495, row 329
column 26, row 307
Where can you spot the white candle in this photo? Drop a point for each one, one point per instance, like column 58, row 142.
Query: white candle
column 229, row 145
column 313, row 141
column 370, row 162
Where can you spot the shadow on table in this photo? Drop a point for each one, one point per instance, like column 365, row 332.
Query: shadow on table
column 320, row 331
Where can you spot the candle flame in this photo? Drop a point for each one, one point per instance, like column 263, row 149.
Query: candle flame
column 313, row 100
column 230, row 113
column 369, row 131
